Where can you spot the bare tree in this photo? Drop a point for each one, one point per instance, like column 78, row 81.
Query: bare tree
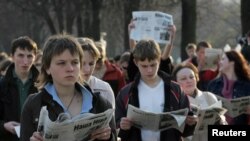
column 63, row 15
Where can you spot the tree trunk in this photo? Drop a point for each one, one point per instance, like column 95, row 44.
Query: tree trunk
column 58, row 6
column 188, row 34
column 71, row 15
column 50, row 23
column 96, row 7
column 245, row 16
column 129, row 7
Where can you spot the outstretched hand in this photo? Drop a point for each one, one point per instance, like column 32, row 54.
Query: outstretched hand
column 172, row 31
column 131, row 26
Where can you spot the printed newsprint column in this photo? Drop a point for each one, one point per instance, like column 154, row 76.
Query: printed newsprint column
column 235, row 107
column 161, row 121
column 151, row 25
column 207, row 116
column 72, row 129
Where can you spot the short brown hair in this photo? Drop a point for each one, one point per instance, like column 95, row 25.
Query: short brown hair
column 203, row 44
column 88, row 44
column 56, row 45
column 147, row 49
column 190, row 46
column 23, row 42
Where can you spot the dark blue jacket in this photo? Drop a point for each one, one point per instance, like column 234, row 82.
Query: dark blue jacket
column 241, row 89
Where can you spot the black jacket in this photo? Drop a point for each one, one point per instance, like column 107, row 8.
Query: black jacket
column 9, row 101
column 35, row 102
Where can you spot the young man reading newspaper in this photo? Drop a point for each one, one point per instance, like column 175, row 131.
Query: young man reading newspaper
column 152, row 91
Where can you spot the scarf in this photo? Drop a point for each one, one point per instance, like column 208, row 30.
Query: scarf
column 227, row 92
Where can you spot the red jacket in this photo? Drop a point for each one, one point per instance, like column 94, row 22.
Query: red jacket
column 114, row 77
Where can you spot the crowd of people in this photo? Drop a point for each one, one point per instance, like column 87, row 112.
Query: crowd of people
column 74, row 75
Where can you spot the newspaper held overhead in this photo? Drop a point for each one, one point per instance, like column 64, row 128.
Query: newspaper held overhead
column 72, row 129
column 235, row 107
column 207, row 116
column 161, row 121
column 151, row 25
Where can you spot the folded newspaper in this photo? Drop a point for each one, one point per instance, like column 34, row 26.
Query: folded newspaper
column 236, row 106
column 212, row 57
column 207, row 116
column 66, row 128
column 151, row 25
column 157, row 121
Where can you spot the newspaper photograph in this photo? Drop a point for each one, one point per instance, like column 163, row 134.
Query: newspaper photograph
column 72, row 129
column 235, row 107
column 151, row 25
column 207, row 116
column 212, row 57
column 157, row 122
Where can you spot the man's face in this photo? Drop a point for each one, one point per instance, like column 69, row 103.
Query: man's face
column 23, row 60
column 148, row 69
column 191, row 52
column 201, row 53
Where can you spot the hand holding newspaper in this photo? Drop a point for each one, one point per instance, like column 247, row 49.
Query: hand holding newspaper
column 207, row 116
column 151, row 25
column 72, row 129
column 157, row 122
column 235, row 107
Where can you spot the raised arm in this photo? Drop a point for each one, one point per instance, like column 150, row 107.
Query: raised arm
column 132, row 42
column 169, row 46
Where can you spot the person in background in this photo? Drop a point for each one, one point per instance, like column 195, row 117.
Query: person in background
column 61, row 90
column 151, row 91
column 16, row 85
column 205, row 75
column 91, row 55
column 245, row 50
column 4, row 66
column 234, row 82
column 166, row 64
column 191, row 52
column 3, row 56
column 123, row 63
column 187, row 75
column 107, row 71
column 117, row 60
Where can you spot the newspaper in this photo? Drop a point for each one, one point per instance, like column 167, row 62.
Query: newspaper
column 72, row 129
column 235, row 107
column 151, row 25
column 212, row 57
column 207, row 116
column 157, row 122
column 17, row 130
